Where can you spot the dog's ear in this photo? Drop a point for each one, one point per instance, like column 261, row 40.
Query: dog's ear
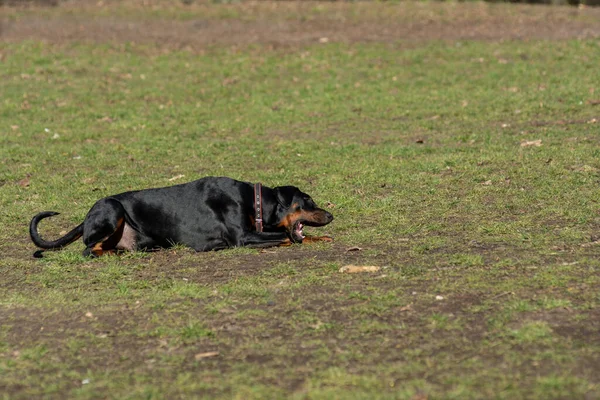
column 285, row 195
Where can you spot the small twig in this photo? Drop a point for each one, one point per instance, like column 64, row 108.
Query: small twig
column 500, row 295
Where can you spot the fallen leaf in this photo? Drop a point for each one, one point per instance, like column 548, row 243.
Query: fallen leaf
column 230, row 81
column 89, row 314
column 208, row 354
column 330, row 205
column 487, row 183
column 24, row 182
column 536, row 143
column 438, row 297
column 407, row 307
column 354, row 248
column 590, row 244
column 323, row 40
column 353, row 269
column 593, row 102
column 419, row 396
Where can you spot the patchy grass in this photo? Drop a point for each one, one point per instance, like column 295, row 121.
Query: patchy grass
column 426, row 153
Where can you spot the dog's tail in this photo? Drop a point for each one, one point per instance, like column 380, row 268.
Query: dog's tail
column 69, row 238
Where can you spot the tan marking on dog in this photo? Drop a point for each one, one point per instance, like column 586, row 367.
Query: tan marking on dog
column 97, row 250
column 286, row 242
column 289, row 220
column 314, row 239
column 310, row 216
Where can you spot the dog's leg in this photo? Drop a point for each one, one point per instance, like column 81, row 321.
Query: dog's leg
column 315, row 239
column 103, row 228
column 213, row 245
column 98, row 250
column 264, row 239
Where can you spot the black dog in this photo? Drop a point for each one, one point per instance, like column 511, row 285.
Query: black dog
column 212, row 213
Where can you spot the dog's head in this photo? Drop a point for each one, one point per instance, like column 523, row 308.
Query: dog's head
column 296, row 209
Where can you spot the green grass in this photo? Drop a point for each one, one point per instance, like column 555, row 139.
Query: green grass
column 489, row 288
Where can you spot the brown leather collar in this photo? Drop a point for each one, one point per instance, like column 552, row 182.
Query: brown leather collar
column 258, row 212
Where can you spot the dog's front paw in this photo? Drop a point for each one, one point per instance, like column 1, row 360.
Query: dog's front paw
column 314, row 239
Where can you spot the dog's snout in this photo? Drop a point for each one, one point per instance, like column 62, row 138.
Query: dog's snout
column 328, row 216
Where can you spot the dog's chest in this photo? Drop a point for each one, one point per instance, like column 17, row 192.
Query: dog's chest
column 128, row 239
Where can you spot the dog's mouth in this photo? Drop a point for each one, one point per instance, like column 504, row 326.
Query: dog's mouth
column 316, row 219
column 296, row 232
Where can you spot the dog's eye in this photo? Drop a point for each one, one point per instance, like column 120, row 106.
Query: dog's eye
column 309, row 202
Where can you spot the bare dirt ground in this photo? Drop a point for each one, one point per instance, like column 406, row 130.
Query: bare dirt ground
column 292, row 24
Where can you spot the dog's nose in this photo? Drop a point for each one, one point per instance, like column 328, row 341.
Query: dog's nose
column 329, row 216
